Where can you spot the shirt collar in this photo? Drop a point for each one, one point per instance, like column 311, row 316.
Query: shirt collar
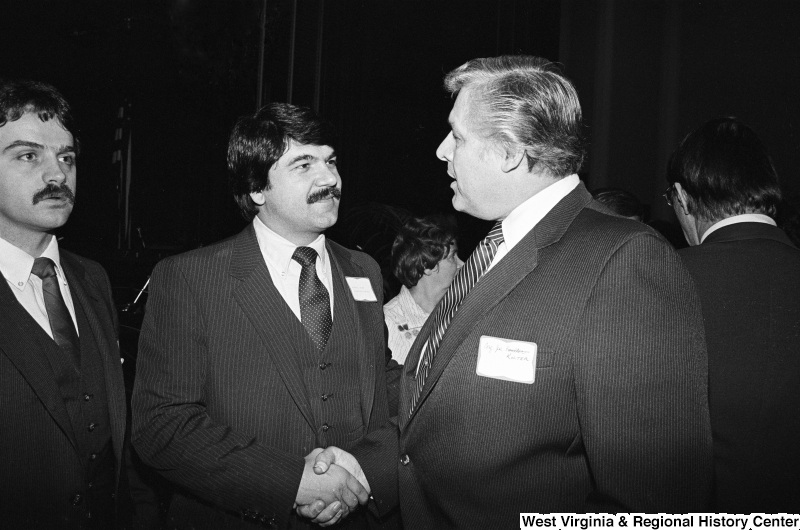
column 524, row 217
column 743, row 218
column 16, row 264
column 278, row 251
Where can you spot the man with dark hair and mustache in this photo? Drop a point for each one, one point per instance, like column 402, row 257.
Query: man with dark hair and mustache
column 62, row 406
column 259, row 349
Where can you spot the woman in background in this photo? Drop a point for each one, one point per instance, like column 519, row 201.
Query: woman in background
column 425, row 260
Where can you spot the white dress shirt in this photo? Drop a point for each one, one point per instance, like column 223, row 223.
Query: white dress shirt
column 284, row 271
column 743, row 218
column 404, row 318
column 16, row 266
column 524, row 217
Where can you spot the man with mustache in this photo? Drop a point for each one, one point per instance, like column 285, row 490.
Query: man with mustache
column 259, row 349
column 62, row 397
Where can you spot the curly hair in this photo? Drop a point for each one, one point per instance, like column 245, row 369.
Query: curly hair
column 421, row 244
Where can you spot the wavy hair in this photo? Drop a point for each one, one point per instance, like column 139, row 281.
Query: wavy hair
column 524, row 102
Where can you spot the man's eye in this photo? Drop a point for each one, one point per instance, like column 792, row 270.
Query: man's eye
column 68, row 159
column 27, row 156
column 332, row 162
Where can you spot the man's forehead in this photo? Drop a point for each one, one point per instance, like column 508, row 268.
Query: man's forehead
column 30, row 127
column 296, row 149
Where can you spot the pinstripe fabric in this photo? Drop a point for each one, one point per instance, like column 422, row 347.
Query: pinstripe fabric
column 617, row 417
column 46, row 470
column 220, row 405
column 467, row 276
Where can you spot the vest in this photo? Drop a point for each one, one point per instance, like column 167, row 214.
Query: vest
column 86, row 401
column 332, row 377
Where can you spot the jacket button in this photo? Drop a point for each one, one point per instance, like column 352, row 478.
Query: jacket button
column 325, row 427
column 87, row 397
column 405, row 460
column 77, row 499
column 325, row 397
column 92, row 426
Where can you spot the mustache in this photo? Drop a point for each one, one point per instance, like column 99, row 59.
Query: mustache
column 323, row 194
column 53, row 191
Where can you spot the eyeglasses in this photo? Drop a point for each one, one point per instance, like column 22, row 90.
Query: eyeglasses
column 668, row 194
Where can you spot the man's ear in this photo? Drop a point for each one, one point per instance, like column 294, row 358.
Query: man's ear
column 258, row 197
column 682, row 197
column 513, row 160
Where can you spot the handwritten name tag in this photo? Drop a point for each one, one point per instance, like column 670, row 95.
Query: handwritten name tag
column 510, row 360
column 361, row 289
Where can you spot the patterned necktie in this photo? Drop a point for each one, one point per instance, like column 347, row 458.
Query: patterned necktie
column 315, row 304
column 61, row 323
column 467, row 276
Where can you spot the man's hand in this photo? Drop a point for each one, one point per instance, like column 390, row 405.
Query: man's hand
column 330, row 496
column 334, row 455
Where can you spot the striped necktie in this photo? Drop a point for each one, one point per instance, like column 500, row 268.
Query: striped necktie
column 467, row 276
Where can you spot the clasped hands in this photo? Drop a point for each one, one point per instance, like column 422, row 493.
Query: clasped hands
column 332, row 485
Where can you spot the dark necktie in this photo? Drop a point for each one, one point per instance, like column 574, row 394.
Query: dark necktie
column 466, row 278
column 315, row 304
column 61, row 323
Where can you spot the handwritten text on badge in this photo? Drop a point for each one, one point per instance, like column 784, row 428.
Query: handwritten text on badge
column 510, row 360
column 361, row 289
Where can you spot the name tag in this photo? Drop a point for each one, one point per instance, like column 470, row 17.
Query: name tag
column 361, row 289
column 506, row 359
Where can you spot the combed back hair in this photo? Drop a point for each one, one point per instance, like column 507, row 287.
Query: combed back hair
column 725, row 170
column 421, row 244
column 18, row 97
column 524, row 102
column 258, row 141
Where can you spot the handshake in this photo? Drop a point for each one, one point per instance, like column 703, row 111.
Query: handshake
column 333, row 485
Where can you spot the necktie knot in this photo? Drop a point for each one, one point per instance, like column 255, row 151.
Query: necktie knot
column 495, row 235
column 305, row 256
column 44, row 268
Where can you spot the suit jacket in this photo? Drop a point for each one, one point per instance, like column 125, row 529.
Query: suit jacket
column 219, row 406
column 617, row 417
column 41, row 468
column 748, row 277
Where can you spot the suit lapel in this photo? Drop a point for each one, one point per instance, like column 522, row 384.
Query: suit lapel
column 85, row 292
column 269, row 315
column 21, row 342
column 341, row 266
column 490, row 290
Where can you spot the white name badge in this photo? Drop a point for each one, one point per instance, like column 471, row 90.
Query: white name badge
column 361, row 289
column 510, row 360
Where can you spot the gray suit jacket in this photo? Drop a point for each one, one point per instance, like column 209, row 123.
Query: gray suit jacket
column 220, row 407
column 617, row 418
column 41, row 468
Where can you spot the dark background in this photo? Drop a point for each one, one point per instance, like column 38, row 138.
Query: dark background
column 647, row 71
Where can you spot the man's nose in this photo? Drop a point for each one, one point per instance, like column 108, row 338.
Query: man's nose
column 54, row 170
column 443, row 152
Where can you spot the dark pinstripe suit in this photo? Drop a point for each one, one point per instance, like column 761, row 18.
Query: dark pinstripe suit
column 617, row 418
column 220, row 406
column 41, row 468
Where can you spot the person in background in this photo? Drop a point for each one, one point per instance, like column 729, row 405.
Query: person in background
column 725, row 191
column 425, row 260
column 65, row 460
column 621, row 202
